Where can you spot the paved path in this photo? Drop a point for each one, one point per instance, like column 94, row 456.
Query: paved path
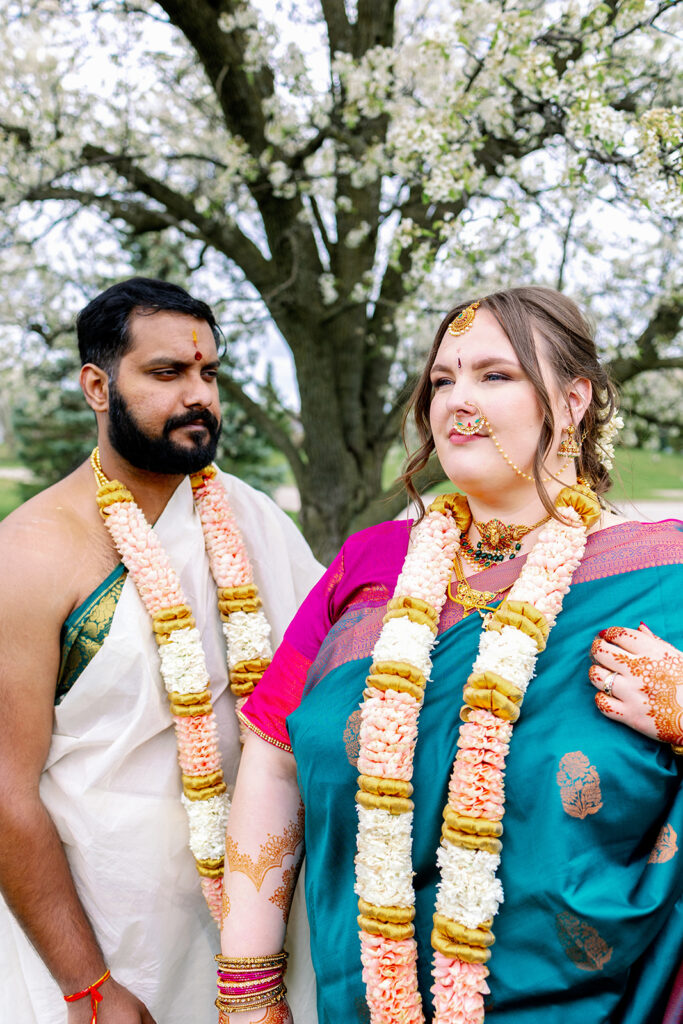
column 669, row 506
column 287, row 497
column 25, row 476
column 652, row 511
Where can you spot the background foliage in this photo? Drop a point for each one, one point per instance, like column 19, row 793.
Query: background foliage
column 334, row 176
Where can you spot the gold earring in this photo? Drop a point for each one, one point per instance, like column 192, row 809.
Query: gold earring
column 569, row 448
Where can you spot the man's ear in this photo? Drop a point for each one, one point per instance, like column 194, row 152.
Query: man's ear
column 95, row 386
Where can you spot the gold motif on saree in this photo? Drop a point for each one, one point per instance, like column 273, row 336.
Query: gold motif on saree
column 352, row 737
column 584, row 946
column 665, row 847
column 579, row 784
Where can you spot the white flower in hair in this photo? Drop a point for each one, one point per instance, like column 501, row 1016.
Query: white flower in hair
column 605, row 439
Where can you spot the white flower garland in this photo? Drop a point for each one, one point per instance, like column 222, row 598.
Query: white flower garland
column 469, row 893
column 181, row 655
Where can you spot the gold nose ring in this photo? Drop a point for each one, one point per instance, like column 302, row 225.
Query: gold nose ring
column 467, row 429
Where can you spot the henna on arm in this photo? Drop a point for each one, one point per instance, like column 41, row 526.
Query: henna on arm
column 264, row 850
column 271, row 853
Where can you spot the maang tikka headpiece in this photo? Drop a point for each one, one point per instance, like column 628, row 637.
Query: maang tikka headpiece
column 464, row 320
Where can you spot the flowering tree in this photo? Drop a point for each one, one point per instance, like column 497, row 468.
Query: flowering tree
column 351, row 174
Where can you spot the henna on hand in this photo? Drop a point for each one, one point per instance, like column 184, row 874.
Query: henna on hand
column 660, row 678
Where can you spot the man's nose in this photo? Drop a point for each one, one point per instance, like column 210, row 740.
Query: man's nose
column 199, row 392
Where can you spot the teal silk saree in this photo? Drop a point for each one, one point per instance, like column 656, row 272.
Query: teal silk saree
column 591, row 929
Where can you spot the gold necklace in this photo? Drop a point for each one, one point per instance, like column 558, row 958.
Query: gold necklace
column 469, row 598
column 97, row 467
column 498, row 541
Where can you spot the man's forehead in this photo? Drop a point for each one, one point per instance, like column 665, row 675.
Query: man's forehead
column 167, row 328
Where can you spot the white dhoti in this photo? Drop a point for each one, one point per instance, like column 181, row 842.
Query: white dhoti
column 112, row 787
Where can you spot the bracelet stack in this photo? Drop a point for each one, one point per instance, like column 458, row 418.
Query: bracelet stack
column 251, row 982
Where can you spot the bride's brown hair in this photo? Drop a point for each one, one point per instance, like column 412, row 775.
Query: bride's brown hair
column 571, row 352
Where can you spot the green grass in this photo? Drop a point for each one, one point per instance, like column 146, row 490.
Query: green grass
column 641, row 475
column 11, row 495
column 638, row 475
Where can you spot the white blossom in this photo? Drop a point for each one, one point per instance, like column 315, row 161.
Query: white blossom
column 403, row 640
column 384, row 871
column 248, row 637
column 208, row 820
column 183, row 667
column 469, row 891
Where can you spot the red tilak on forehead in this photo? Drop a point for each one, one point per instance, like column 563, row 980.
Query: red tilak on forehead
column 197, row 354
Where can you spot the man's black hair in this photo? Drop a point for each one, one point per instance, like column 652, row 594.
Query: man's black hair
column 103, row 327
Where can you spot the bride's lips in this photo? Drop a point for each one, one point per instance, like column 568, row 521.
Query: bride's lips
column 455, row 438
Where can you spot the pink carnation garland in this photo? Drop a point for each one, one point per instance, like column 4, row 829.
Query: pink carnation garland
column 160, row 590
column 476, row 788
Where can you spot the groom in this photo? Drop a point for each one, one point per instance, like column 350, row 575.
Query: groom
column 95, row 867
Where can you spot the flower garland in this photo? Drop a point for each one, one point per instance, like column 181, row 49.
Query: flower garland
column 182, row 661
column 468, row 893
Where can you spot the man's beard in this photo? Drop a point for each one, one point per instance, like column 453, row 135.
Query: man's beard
column 160, row 454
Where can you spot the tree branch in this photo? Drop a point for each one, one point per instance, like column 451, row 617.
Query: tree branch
column 649, row 417
column 321, row 224
column 138, row 217
column 394, row 500
column 22, row 135
column 664, row 326
column 239, row 91
column 224, row 235
column 338, row 27
column 260, row 417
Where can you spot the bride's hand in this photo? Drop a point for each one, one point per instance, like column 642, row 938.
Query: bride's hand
column 279, row 1014
column 639, row 677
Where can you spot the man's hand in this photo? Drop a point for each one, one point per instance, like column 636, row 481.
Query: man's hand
column 118, row 1006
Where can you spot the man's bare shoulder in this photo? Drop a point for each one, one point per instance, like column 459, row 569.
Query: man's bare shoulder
column 53, row 517
column 56, row 541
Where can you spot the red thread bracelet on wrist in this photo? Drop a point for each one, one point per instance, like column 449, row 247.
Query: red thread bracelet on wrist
column 95, row 995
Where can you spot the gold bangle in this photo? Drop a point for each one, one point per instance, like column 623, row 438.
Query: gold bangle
column 676, row 749
column 238, row 1004
column 244, row 963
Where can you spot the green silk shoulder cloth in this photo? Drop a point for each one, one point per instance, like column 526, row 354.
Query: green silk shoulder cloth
column 86, row 629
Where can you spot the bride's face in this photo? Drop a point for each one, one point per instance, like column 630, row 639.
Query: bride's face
column 480, row 368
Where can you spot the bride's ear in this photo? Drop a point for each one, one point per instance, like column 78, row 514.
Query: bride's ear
column 578, row 398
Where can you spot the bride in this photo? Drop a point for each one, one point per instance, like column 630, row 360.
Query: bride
column 434, row 661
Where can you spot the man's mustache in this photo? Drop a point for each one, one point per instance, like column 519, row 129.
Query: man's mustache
column 204, row 416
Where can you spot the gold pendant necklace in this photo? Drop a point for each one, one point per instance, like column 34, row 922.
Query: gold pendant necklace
column 469, row 598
